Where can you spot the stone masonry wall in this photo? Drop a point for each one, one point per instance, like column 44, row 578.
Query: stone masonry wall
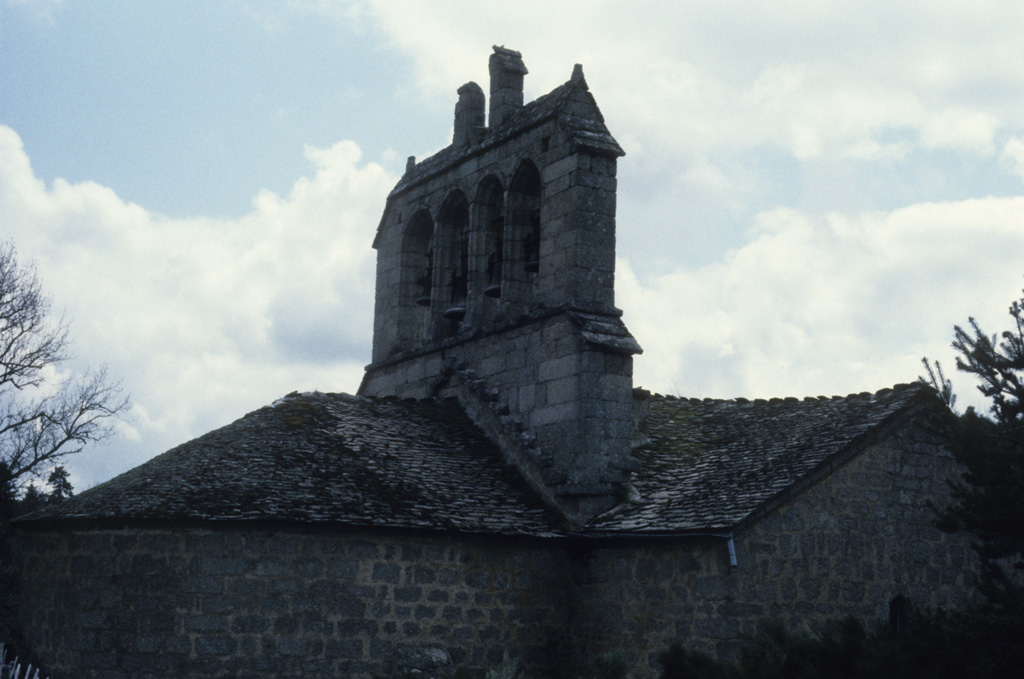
column 575, row 401
column 847, row 546
column 201, row 602
column 263, row 603
column 539, row 371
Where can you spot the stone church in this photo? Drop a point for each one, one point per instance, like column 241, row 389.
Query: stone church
column 497, row 485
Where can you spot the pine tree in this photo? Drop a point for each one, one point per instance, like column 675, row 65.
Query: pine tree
column 60, row 484
column 990, row 499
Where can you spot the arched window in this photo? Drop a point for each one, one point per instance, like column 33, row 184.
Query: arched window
column 415, row 274
column 524, row 213
column 453, row 222
column 490, row 220
column 418, row 257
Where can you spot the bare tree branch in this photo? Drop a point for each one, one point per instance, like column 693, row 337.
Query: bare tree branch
column 42, row 422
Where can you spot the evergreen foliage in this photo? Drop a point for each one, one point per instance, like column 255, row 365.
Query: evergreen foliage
column 508, row 669
column 980, row 640
column 965, row 644
column 609, row 666
column 989, row 502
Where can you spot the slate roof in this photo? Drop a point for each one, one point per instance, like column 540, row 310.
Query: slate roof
column 335, row 458
column 711, row 464
column 363, row 462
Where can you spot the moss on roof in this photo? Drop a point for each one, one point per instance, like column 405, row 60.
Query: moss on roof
column 711, row 464
column 328, row 458
column 356, row 461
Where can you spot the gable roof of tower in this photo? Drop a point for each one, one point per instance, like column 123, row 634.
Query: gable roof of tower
column 356, row 461
column 572, row 103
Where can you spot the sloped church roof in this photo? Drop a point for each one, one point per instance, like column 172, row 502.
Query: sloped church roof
column 366, row 462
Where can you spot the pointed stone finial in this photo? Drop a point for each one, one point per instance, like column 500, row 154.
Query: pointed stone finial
column 507, row 70
column 577, row 78
column 469, row 115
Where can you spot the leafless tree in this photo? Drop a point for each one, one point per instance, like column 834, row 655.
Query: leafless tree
column 43, row 417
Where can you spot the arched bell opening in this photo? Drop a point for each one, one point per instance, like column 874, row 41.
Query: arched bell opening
column 524, row 214
column 453, row 223
column 489, row 218
column 523, row 231
column 416, row 276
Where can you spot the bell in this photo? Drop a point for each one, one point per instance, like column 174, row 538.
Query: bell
column 424, row 284
column 532, row 264
column 493, row 288
column 457, row 311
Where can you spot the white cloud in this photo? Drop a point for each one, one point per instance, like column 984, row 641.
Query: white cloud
column 873, row 151
column 833, row 305
column 1013, row 155
column 808, row 77
column 205, row 318
column 960, row 130
column 728, row 109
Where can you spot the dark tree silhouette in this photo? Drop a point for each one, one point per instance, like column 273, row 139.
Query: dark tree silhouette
column 990, row 499
column 42, row 418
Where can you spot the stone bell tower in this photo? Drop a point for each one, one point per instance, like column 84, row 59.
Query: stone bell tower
column 495, row 285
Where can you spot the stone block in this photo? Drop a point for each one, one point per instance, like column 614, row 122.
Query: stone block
column 345, row 568
column 205, row 623
column 215, row 645
column 479, row 580
column 250, row 624
column 561, row 168
column 562, row 390
column 293, row 646
column 201, row 585
column 448, row 577
column 221, row 565
column 343, row 648
column 408, row 594
column 853, row 591
column 424, row 575
column 562, row 412
column 389, row 573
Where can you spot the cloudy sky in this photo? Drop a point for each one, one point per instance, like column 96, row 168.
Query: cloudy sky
column 813, row 194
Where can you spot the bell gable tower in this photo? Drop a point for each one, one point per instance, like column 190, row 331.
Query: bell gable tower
column 495, row 285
